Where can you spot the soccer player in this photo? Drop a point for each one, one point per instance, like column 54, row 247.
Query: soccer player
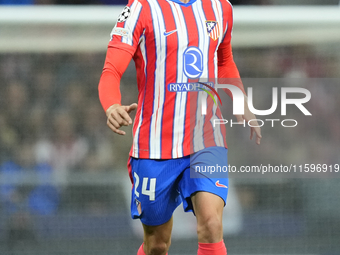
column 173, row 43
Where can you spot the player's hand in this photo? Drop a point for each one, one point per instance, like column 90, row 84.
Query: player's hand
column 248, row 115
column 118, row 116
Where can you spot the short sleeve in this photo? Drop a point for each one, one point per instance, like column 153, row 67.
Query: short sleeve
column 129, row 28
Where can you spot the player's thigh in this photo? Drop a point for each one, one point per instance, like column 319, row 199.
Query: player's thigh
column 213, row 186
column 154, row 194
column 207, row 206
column 158, row 235
column 208, row 209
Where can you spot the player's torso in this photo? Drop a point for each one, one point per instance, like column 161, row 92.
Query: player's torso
column 179, row 44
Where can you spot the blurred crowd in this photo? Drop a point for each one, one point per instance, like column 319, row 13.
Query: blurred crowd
column 51, row 113
column 52, row 126
column 50, row 104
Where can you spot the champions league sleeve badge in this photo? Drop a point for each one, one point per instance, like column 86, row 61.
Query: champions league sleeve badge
column 125, row 14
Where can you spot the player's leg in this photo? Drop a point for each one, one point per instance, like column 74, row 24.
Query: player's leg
column 154, row 199
column 157, row 239
column 206, row 196
column 208, row 209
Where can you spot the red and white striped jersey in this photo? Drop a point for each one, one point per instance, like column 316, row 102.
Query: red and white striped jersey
column 172, row 44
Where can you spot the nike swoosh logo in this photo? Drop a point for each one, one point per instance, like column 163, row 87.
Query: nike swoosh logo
column 218, row 184
column 169, row 33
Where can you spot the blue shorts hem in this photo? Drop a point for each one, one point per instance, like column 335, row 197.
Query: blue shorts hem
column 154, row 223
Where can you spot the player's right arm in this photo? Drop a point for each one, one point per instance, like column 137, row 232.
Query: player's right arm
column 115, row 65
column 125, row 38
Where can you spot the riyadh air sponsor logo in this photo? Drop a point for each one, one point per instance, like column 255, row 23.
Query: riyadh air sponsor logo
column 204, row 101
column 213, row 91
column 193, row 62
column 218, row 184
column 193, row 86
column 169, row 33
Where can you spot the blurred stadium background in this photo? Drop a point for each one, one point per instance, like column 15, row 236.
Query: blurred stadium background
column 64, row 187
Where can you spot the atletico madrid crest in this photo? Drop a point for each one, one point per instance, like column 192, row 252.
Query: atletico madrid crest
column 213, row 29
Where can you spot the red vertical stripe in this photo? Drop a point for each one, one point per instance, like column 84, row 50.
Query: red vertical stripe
column 140, row 73
column 146, row 91
column 208, row 127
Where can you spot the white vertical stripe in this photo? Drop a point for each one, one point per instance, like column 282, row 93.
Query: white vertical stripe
column 159, row 86
column 217, row 7
column 204, row 45
column 218, row 137
column 181, row 98
column 131, row 22
column 135, row 148
column 203, row 37
column 198, row 130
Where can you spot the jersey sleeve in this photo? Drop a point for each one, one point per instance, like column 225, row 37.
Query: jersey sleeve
column 116, row 62
column 129, row 28
column 227, row 70
column 124, row 41
column 228, row 25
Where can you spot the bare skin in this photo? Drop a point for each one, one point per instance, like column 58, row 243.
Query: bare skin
column 157, row 239
column 208, row 209
column 118, row 116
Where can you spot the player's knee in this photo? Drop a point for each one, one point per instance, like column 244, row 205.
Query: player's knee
column 159, row 248
column 210, row 228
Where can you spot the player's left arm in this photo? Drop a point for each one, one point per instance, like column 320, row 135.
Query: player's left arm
column 229, row 74
column 227, row 71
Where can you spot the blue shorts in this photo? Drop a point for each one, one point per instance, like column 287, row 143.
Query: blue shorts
column 160, row 185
